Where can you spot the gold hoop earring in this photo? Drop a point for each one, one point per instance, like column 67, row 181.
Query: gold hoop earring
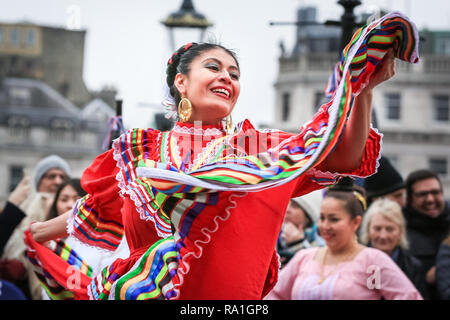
column 229, row 124
column 184, row 109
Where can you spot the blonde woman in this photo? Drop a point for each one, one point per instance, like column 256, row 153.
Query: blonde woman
column 384, row 228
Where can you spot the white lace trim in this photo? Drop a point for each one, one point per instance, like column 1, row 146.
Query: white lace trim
column 198, row 130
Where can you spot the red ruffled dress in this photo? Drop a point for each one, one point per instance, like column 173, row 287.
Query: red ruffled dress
column 223, row 243
column 200, row 210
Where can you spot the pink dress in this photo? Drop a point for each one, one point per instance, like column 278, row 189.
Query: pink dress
column 371, row 275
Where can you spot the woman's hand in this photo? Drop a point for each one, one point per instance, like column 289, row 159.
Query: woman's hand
column 384, row 70
column 292, row 233
column 50, row 229
column 36, row 231
column 348, row 153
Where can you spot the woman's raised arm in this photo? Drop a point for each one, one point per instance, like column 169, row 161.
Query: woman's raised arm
column 50, row 229
column 348, row 154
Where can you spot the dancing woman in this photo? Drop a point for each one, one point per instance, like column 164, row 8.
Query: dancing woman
column 201, row 205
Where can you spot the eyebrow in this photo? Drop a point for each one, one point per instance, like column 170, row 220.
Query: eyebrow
column 220, row 62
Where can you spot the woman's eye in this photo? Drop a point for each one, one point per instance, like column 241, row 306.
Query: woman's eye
column 235, row 76
column 213, row 67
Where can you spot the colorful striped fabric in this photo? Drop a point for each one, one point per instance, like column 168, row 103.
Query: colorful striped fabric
column 149, row 278
column 379, row 36
column 54, row 288
column 92, row 229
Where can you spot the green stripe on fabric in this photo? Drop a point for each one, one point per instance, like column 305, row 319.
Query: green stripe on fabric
column 138, row 270
column 383, row 39
column 63, row 295
column 163, row 272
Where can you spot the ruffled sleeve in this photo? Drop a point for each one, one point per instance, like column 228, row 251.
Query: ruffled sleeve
column 96, row 219
column 320, row 177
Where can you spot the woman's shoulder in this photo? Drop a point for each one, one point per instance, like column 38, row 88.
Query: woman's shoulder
column 306, row 254
column 375, row 256
column 373, row 252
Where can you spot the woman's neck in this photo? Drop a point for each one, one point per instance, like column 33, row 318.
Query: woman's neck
column 344, row 252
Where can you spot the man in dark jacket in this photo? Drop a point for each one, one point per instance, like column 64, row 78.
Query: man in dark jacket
column 428, row 220
column 443, row 270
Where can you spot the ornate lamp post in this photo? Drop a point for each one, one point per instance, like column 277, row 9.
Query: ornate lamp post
column 184, row 20
column 348, row 20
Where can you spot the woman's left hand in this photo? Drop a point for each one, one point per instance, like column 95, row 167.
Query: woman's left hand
column 384, row 70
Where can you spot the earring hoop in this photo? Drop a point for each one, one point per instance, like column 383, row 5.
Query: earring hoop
column 229, row 124
column 184, row 109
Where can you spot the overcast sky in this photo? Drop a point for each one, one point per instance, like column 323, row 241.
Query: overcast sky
column 127, row 47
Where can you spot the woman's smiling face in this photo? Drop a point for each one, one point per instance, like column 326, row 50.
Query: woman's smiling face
column 335, row 224
column 212, row 85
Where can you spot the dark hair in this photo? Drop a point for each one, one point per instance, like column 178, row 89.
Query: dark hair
column 181, row 60
column 419, row 175
column 351, row 194
column 76, row 184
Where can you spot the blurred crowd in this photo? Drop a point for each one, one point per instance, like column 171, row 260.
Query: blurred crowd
column 407, row 220
column 331, row 246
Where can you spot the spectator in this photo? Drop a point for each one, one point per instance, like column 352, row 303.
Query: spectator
column 386, row 183
column 65, row 198
column 343, row 269
column 427, row 219
column 443, row 270
column 299, row 229
column 25, row 206
column 12, row 215
column 384, row 228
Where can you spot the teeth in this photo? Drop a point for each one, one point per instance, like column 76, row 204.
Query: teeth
column 220, row 90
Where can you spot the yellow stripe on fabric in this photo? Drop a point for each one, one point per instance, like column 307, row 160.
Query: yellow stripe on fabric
column 84, row 268
column 384, row 39
column 208, row 151
column 65, row 253
column 229, row 174
column 360, row 58
column 311, row 140
column 172, row 152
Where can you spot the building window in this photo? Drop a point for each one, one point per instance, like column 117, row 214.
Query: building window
column 441, row 107
column 15, row 175
column 319, row 99
column 438, row 165
column 443, row 46
column 392, row 106
column 61, row 130
column 19, row 127
column 31, row 38
column 14, row 36
column 286, row 106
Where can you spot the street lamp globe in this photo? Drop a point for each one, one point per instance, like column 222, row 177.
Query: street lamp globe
column 186, row 25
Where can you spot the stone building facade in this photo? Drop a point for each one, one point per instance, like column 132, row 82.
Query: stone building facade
column 45, row 106
column 412, row 110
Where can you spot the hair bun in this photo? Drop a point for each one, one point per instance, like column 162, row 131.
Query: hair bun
column 174, row 60
column 344, row 184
